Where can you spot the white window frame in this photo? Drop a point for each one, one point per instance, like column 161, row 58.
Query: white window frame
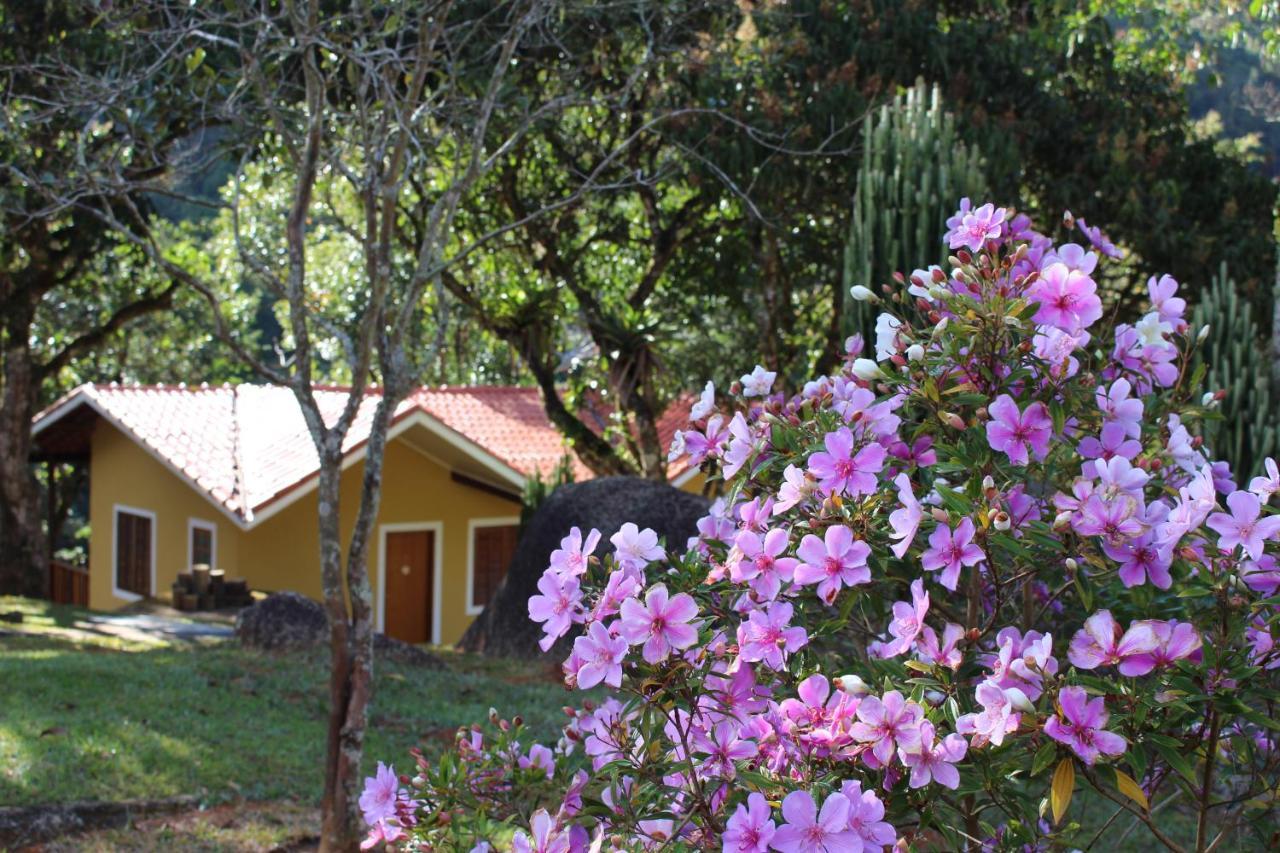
column 194, row 524
column 437, row 570
column 473, row 525
column 116, row 510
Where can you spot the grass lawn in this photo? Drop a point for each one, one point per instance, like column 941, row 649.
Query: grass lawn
column 106, row 719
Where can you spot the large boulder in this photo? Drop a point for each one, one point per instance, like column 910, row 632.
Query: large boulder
column 287, row 621
column 504, row 628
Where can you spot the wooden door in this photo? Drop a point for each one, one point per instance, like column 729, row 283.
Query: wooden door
column 410, row 573
column 492, row 550
column 133, row 553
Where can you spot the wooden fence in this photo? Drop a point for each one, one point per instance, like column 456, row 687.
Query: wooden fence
column 68, row 584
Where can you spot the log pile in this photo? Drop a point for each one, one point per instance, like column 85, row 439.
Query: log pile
column 205, row 588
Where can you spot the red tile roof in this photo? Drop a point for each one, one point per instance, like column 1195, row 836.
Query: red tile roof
column 248, row 445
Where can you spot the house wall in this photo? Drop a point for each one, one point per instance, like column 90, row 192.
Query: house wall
column 123, row 474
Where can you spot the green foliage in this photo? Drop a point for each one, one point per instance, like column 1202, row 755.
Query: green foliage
column 537, row 490
column 915, row 168
column 1235, row 361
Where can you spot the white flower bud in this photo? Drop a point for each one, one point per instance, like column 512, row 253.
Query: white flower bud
column 862, row 293
column 942, row 324
column 1202, row 334
column 1062, row 520
column 988, row 482
column 1072, row 564
column 853, row 685
column 915, row 352
column 1019, row 700
column 866, row 369
column 1001, row 521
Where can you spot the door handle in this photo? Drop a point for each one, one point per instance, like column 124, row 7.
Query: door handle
column 404, row 570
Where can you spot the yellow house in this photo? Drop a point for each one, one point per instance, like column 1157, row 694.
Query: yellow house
column 227, row 476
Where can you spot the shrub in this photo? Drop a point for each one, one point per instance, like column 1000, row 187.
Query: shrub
column 948, row 586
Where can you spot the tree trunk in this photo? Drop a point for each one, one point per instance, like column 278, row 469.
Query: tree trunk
column 23, row 549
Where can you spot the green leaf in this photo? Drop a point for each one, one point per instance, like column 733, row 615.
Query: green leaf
column 1044, row 757
column 1178, row 762
column 195, row 59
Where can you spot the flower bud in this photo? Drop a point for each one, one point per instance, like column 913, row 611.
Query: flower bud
column 988, row 483
column 941, row 325
column 951, row 419
column 1019, row 700
column 915, row 352
column 866, row 369
column 1062, row 520
column 862, row 293
column 1202, row 334
column 1001, row 521
column 1071, row 564
column 940, row 515
column 853, row 685
column 1208, row 399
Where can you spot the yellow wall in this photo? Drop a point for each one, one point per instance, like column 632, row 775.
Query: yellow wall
column 282, row 551
column 122, row 473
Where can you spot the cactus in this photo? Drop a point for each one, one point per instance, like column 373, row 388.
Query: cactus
column 1235, row 361
column 915, row 169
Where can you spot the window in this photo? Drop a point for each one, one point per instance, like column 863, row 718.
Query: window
column 134, row 548
column 493, row 544
column 202, row 539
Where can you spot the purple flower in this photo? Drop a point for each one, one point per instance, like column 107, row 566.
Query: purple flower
column 1013, row 432
column 635, row 548
column 945, row 653
column 1100, row 643
column 751, row 828
column 977, row 227
column 1174, row 641
column 708, row 443
column 1265, row 487
column 1099, row 240
column 934, row 762
column 545, row 838
column 1114, row 520
column 1119, row 408
column 661, row 623
column 866, row 818
column 742, row 445
column 1141, row 559
column 601, row 655
column 558, row 606
column 1167, row 305
column 763, row 565
column 905, row 520
column 758, row 382
column 887, row 724
column 834, row 562
column 949, row 551
column 571, row 557
column 1068, row 299
column 541, row 757
column 768, row 637
column 1079, row 725
column 908, row 620
column 998, row 716
column 381, row 791
column 796, row 487
column 1113, row 443
column 809, row 831
column 839, row 471
column 1243, row 527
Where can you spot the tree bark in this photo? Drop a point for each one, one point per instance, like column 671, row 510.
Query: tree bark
column 23, row 549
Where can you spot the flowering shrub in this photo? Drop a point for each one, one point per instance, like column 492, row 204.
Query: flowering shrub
column 945, row 588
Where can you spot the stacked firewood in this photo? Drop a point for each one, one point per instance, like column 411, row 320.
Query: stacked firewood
column 205, row 588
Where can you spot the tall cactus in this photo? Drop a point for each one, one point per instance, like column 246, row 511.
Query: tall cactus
column 1236, row 362
column 915, row 169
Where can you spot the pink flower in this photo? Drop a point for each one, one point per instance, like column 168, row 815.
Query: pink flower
column 796, row 487
column 751, row 828
column 743, row 444
column 950, row 551
column 1142, row 559
column 998, row 716
column 635, row 548
column 1013, row 432
column 1265, row 487
column 709, row 442
column 1079, row 725
column 763, row 565
column 706, row 403
column 539, row 756
column 1167, row 305
column 1098, row 239
column 908, row 620
column 866, row 818
column 1174, row 641
column 1114, row 520
column 944, row 653
column 1068, row 299
column 768, row 636
column 977, row 227
column 571, row 557
column 832, row 563
column 558, row 606
column 933, row 762
column 1100, row 643
column 545, row 837
column 808, row 831
column 722, row 747
column 661, row 623
column 1119, row 408
column 840, row 472
column 887, row 724
column 1112, row 442
column 381, row 791
column 601, row 654
column 1243, row 527
column 905, row 520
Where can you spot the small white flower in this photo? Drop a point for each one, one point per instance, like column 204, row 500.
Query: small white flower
column 915, row 352
column 887, row 327
column 1152, row 331
column 862, row 293
column 758, row 382
column 866, row 369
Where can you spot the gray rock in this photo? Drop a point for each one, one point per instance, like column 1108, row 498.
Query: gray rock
column 606, row 503
column 287, row 621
